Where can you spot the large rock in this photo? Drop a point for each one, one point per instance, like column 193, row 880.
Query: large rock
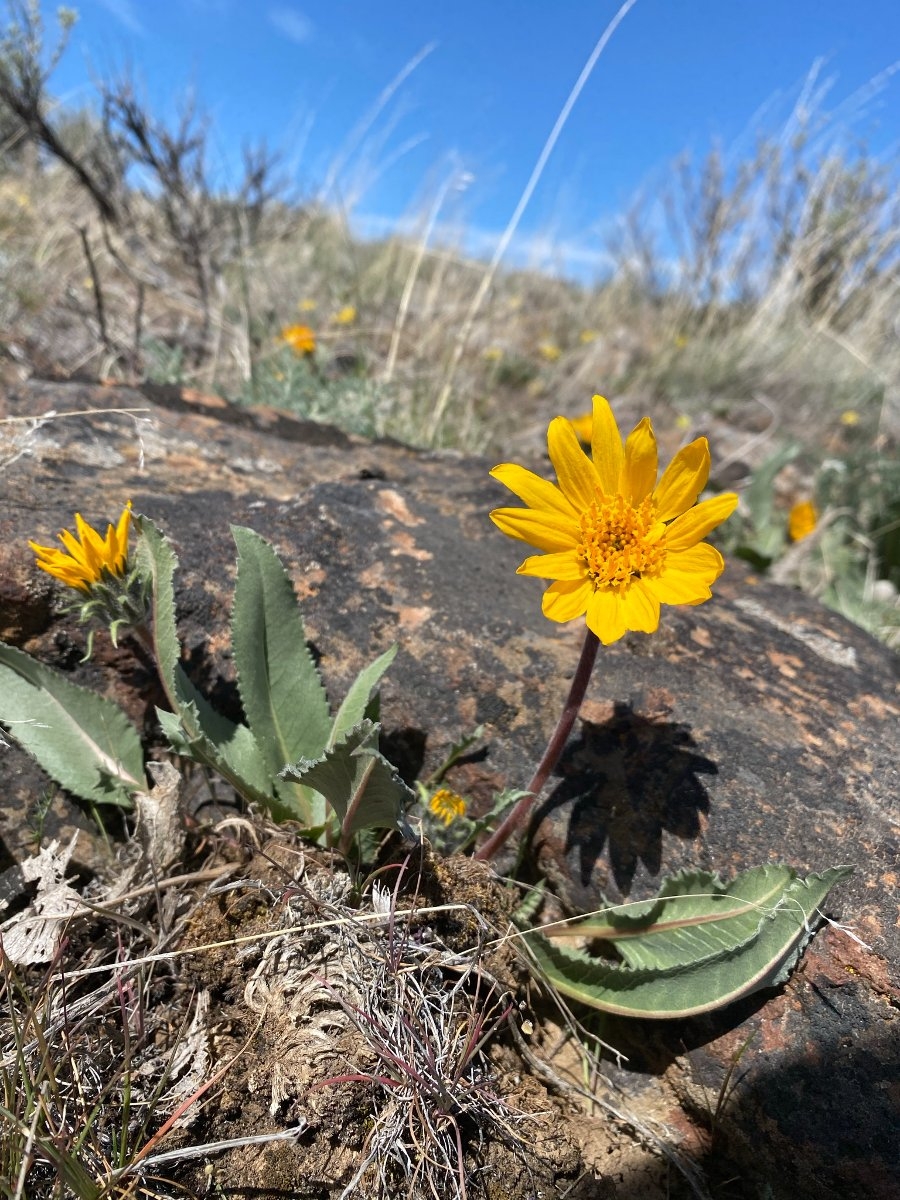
column 756, row 728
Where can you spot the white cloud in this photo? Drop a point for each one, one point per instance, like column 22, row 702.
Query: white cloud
column 291, row 23
column 569, row 256
column 125, row 13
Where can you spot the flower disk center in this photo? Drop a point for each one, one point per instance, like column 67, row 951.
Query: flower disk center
column 620, row 542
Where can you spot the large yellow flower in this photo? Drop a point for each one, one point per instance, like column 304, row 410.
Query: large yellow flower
column 88, row 556
column 616, row 542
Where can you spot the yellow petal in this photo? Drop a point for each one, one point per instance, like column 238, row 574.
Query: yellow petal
column 123, row 527
column 683, row 480
column 641, row 463
column 691, row 527
column 641, row 608
column 93, row 543
column 76, row 549
column 543, row 530
column 574, row 470
column 687, row 576
column 606, row 616
column 562, row 565
column 564, row 601
column 606, row 447
column 535, row 492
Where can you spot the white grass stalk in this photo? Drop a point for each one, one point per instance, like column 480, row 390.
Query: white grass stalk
column 361, row 130
column 409, row 285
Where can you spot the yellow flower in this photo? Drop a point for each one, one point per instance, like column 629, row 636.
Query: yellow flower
column 447, row 805
column 587, row 336
column 680, row 341
column 616, row 543
column 88, row 556
column 850, row 417
column 346, row 316
column 682, row 421
column 583, row 426
column 492, row 354
column 306, row 305
column 300, row 338
column 802, row 520
column 549, row 351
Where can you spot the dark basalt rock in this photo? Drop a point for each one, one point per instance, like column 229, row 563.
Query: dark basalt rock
column 756, row 728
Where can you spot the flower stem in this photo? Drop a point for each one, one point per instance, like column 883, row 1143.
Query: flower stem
column 555, row 746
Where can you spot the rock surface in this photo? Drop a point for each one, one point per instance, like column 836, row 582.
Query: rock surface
column 759, row 727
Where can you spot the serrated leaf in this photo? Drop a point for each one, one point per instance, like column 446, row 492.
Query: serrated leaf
column 280, row 687
column 360, row 785
column 727, row 941
column 356, row 702
column 157, row 561
column 83, row 741
column 205, row 735
column 198, row 732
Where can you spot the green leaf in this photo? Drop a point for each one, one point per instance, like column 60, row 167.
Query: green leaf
column 196, row 730
column 360, row 785
column 156, row 561
column 353, row 709
column 85, row 742
column 699, row 945
column 760, row 496
column 280, row 687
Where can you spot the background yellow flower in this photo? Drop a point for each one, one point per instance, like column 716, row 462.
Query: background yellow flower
column 802, row 520
column 300, row 338
column 583, row 427
column 447, row 805
column 346, row 316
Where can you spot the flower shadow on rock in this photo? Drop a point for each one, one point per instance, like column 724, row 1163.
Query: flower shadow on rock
column 629, row 780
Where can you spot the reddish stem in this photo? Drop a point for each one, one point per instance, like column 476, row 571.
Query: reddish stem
column 555, row 747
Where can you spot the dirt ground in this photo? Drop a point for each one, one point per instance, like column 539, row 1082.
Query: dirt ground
column 316, row 1035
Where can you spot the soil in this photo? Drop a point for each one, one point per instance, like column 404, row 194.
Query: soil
column 274, row 1025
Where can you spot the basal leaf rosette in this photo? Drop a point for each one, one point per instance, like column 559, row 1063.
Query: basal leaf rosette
column 616, row 541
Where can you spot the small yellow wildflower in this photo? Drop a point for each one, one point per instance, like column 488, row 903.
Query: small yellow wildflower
column 682, row 421
column 306, row 306
column 447, row 805
column 587, row 336
column 680, row 341
column 850, row 417
column 346, row 316
column 802, row 520
column 549, row 351
column 616, row 543
column 583, row 427
column 88, row 556
column 492, row 354
column 300, row 338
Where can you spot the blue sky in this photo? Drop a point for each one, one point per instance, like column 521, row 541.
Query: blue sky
column 469, row 120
